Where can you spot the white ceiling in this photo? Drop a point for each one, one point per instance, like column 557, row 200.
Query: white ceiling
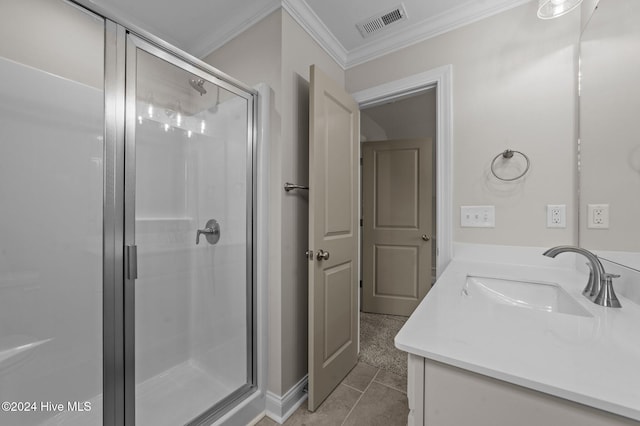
column 201, row 26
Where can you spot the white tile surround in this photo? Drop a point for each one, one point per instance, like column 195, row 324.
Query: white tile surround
column 51, row 181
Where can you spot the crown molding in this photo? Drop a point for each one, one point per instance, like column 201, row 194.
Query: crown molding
column 309, row 21
column 303, row 14
column 460, row 16
column 231, row 30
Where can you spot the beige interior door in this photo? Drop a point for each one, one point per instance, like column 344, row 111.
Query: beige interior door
column 334, row 131
column 397, row 192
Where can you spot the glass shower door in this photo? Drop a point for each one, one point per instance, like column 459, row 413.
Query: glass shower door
column 188, row 211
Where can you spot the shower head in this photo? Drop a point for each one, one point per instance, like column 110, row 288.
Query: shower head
column 198, row 85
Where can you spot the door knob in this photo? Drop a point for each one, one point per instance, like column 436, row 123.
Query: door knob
column 425, row 237
column 322, row 255
column 211, row 232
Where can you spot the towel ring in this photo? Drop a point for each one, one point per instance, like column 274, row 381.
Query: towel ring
column 508, row 153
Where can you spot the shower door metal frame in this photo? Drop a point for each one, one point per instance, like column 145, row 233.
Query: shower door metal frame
column 121, row 45
column 113, row 227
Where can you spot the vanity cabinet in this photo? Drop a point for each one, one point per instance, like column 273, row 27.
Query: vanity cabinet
column 444, row 395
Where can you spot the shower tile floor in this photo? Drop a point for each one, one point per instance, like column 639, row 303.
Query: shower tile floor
column 368, row 396
column 186, row 388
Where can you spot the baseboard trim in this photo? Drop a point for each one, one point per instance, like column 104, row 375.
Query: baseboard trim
column 257, row 419
column 280, row 408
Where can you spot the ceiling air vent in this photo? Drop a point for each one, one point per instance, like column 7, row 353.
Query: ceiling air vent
column 381, row 20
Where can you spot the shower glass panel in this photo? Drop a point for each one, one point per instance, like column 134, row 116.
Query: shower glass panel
column 51, row 213
column 192, row 229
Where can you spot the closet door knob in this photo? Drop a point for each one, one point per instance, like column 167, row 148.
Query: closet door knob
column 425, row 237
column 322, row 255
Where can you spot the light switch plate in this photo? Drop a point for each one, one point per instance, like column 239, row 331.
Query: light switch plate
column 478, row 216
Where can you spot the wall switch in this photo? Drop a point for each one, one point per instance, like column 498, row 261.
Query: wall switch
column 598, row 216
column 478, row 216
column 556, row 216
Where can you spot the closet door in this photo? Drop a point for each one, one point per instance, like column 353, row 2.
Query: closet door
column 397, row 199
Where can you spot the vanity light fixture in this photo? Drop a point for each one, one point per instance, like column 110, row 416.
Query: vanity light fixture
column 549, row 9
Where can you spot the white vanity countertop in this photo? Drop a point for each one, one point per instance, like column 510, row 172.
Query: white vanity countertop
column 590, row 360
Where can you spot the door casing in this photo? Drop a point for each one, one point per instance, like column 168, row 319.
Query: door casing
column 441, row 78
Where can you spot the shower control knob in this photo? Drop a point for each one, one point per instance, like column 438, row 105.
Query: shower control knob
column 322, row 255
column 211, row 232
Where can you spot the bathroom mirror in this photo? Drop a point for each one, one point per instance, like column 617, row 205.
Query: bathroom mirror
column 609, row 161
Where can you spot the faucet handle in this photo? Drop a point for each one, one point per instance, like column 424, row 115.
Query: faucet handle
column 590, row 291
column 607, row 297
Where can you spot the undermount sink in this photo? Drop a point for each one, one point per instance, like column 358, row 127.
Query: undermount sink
column 539, row 296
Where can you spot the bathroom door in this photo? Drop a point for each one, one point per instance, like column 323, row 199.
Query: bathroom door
column 397, row 200
column 334, row 131
column 189, row 310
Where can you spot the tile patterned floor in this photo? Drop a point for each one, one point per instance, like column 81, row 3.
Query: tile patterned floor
column 368, row 396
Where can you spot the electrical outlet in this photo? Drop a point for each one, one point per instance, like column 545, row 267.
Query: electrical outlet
column 556, row 216
column 598, row 216
column 478, row 216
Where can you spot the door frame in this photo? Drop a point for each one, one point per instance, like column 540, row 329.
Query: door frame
column 441, row 78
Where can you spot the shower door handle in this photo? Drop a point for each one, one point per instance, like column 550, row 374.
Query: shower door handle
column 211, row 232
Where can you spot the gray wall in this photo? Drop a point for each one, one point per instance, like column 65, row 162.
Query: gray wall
column 409, row 118
column 27, row 38
column 513, row 87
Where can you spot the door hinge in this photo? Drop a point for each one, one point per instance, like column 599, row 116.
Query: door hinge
column 360, row 283
column 361, row 161
column 361, row 222
column 131, row 259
